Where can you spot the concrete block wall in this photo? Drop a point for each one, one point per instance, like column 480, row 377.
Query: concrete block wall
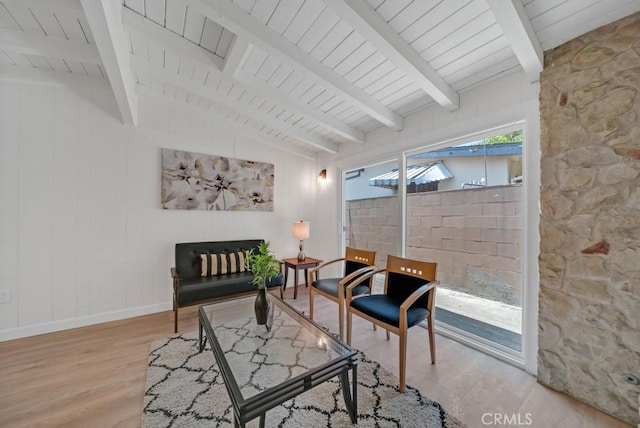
column 475, row 236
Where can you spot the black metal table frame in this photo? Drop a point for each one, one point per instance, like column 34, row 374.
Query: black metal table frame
column 257, row 406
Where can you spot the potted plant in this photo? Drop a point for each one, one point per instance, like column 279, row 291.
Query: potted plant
column 264, row 267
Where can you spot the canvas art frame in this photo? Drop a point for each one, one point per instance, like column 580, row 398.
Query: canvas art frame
column 196, row 181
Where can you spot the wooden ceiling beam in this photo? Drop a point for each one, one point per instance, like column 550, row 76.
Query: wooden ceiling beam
column 239, row 22
column 281, row 97
column 236, row 56
column 167, row 39
column 105, row 20
column 366, row 21
column 215, row 97
column 235, row 126
column 517, row 28
column 214, row 64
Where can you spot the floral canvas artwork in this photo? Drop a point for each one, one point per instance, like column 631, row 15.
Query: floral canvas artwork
column 194, row 181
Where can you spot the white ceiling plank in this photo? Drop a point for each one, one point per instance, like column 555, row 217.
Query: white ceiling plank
column 47, row 76
column 375, row 73
column 211, row 34
column 355, row 58
column 223, row 45
column 70, row 5
column 137, row 5
column 280, row 75
column 231, row 102
column 483, row 75
column 435, row 17
column 255, row 58
column 263, row 9
column 155, row 11
column 268, row 67
column 193, row 25
column 105, row 21
column 244, row 127
column 36, row 44
column 21, row 15
column 140, row 25
column 236, row 56
column 174, row 15
column 283, row 15
column 584, row 21
column 457, row 27
column 48, row 22
column 236, row 20
column 318, row 30
column 517, row 28
column 393, row 87
column 71, row 26
column 344, row 50
column 460, row 52
column 246, row 5
column 466, row 62
column 330, row 41
column 386, row 80
column 403, row 93
column 441, row 38
column 361, row 16
column 390, row 8
column 411, row 14
column 307, row 15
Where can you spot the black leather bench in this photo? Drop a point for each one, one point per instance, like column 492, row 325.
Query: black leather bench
column 223, row 277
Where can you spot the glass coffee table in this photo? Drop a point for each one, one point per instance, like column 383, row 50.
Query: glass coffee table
column 264, row 368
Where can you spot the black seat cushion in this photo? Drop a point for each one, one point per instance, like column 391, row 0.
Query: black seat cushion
column 330, row 287
column 385, row 309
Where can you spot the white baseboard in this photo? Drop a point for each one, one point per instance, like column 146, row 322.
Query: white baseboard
column 50, row 327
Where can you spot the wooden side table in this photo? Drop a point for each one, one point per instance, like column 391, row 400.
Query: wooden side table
column 297, row 265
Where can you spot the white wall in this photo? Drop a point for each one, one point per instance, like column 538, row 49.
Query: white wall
column 82, row 235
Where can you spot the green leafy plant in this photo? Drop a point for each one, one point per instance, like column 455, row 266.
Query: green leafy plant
column 262, row 264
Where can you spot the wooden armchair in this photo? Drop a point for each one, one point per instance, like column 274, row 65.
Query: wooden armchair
column 356, row 263
column 408, row 299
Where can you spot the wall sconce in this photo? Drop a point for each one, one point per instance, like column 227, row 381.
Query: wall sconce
column 322, row 176
column 301, row 232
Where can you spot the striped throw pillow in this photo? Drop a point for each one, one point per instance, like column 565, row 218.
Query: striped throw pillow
column 221, row 264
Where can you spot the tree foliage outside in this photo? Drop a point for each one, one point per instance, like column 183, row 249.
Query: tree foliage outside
column 509, row 137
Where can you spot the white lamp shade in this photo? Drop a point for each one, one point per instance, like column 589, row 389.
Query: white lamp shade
column 301, row 229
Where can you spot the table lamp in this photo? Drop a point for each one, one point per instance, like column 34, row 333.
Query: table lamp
column 301, row 232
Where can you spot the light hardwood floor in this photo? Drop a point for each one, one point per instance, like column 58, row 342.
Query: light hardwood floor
column 95, row 376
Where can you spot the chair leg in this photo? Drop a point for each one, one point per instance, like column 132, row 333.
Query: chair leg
column 403, row 358
column 349, row 318
column 341, row 318
column 175, row 321
column 311, row 303
column 375, row 327
column 388, row 335
column 432, row 341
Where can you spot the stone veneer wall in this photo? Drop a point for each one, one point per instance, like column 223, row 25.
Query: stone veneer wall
column 589, row 302
column 475, row 236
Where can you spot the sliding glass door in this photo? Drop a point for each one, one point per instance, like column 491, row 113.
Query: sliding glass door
column 464, row 211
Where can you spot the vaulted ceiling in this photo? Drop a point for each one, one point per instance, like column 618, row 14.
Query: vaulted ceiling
column 312, row 74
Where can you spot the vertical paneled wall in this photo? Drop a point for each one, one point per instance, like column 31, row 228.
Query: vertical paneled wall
column 83, row 238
